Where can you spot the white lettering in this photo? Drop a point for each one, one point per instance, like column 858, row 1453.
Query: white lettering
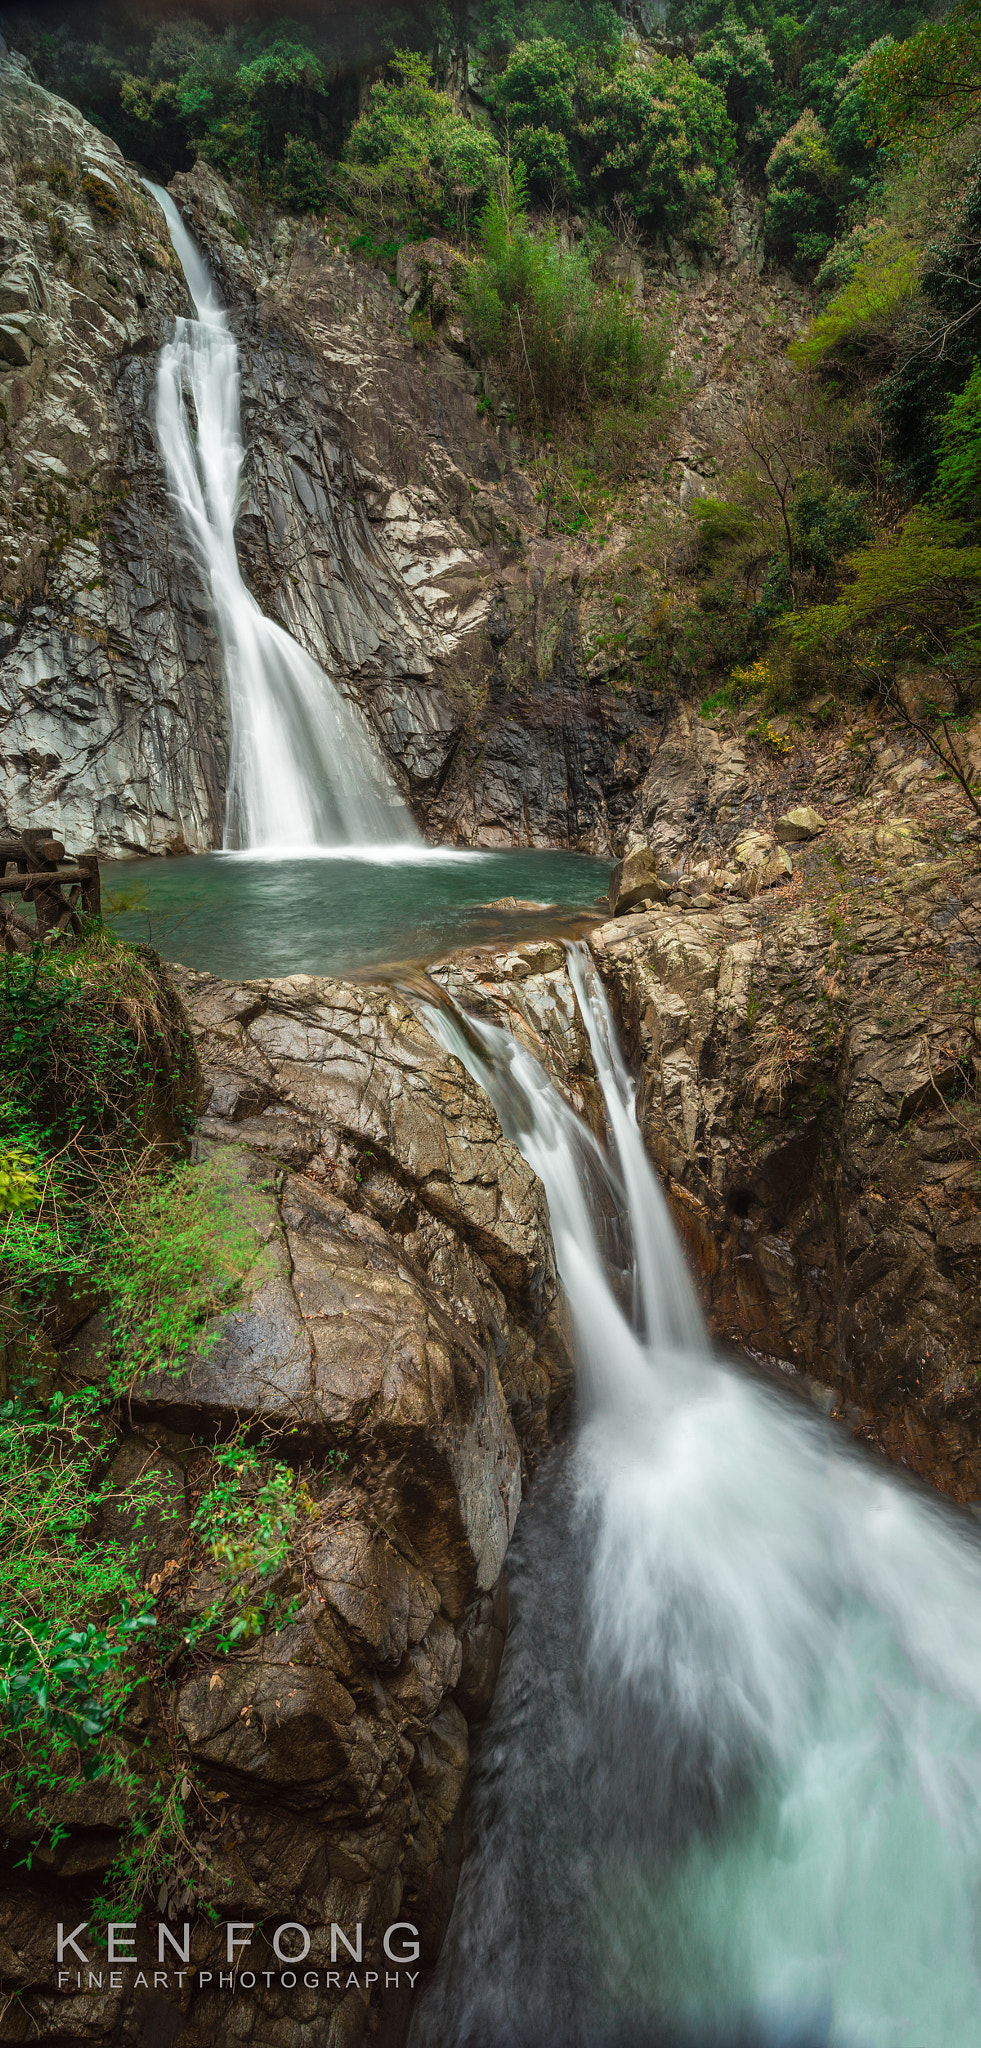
column 411, row 1947
column 311, row 1980
column 119, row 1933
column 225, row 1980
column 247, row 1980
column 291, row 1927
column 237, row 1936
column 164, row 1934
column 69, row 1941
column 354, row 1951
column 288, row 1980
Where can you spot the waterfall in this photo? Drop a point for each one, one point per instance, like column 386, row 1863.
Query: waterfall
column 730, row 1789
column 303, row 771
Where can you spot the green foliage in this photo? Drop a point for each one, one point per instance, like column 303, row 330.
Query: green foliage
column 920, row 91
column 859, row 321
column 915, row 593
column 719, row 526
column 563, row 343
column 20, row 1187
column 657, row 138
column 805, row 186
column 940, row 341
column 958, row 481
column 411, row 161
column 828, row 521
column 93, row 1046
column 537, row 88
column 736, row 59
column 300, row 185
column 246, row 1520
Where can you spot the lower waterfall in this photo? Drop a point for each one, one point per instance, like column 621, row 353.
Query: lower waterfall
column 303, row 771
column 728, row 1792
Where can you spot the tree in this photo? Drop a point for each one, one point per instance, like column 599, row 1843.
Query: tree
column 805, row 186
column 658, row 137
column 786, row 433
column 920, row 91
column 410, row 160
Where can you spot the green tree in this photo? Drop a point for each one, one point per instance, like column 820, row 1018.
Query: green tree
column 411, row 160
column 736, row 59
column 657, row 138
column 562, row 343
column 805, row 186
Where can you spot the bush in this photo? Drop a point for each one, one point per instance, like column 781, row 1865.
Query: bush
column 958, row 481
column 563, row 343
column 410, row 161
column 657, row 138
column 300, row 184
column 805, row 188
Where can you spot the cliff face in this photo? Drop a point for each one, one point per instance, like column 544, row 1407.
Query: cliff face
column 398, row 1338
column 804, row 1019
column 384, row 525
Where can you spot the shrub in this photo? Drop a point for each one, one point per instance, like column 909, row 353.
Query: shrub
column 410, row 160
column 300, row 184
column 658, row 138
column 958, row 480
column 564, row 344
column 102, row 196
column 805, row 186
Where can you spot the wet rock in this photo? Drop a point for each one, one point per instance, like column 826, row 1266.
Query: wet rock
column 807, row 1092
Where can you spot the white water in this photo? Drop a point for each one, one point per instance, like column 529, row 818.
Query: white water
column 730, row 1790
column 303, row 772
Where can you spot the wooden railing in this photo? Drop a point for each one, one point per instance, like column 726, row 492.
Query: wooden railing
column 63, row 890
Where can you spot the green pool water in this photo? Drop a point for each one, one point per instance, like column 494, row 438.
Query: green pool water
column 244, row 915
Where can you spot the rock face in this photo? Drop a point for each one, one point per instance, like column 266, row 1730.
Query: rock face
column 396, row 1335
column 810, row 1069
column 385, row 525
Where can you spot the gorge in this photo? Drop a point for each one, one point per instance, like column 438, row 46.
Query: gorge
column 422, row 1338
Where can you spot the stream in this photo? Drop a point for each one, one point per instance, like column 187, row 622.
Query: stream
column 728, row 1794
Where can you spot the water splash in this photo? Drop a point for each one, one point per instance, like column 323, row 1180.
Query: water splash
column 303, row 771
column 730, row 1792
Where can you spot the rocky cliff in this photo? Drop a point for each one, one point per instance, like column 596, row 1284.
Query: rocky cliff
column 516, row 678
column 398, row 1337
column 795, row 970
column 385, row 524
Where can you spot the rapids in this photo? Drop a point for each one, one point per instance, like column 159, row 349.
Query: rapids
column 729, row 1789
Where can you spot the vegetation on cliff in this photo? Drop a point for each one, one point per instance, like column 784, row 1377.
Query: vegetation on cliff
column 115, row 1253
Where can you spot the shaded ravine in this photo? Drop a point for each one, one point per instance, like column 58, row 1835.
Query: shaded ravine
column 728, row 1792
column 302, row 771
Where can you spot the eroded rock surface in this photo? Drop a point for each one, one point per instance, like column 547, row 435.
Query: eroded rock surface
column 395, row 1335
column 810, row 1066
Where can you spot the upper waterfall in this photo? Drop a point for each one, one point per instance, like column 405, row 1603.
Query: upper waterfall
column 303, row 770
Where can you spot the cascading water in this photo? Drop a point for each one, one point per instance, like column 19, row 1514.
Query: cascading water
column 729, row 1790
column 303, row 771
